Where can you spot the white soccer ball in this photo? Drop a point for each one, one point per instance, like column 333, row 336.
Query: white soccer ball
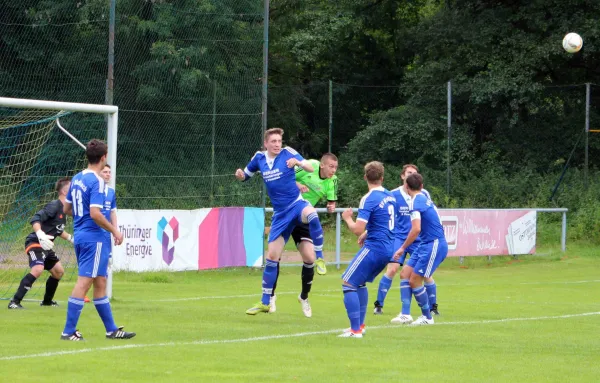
column 572, row 42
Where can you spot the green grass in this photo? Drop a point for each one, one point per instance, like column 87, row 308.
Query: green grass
column 191, row 327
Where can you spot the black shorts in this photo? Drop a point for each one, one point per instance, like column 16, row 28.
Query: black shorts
column 301, row 233
column 39, row 256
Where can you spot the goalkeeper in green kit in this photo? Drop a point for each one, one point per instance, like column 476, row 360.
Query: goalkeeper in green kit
column 314, row 187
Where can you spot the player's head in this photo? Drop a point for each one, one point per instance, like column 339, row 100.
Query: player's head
column 62, row 186
column 273, row 140
column 374, row 172
column 329, row 165
column 414, row 183
column 105, row 173
column 407, row 170
column 96, row 152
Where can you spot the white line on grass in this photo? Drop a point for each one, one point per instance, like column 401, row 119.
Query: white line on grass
column 273, row 337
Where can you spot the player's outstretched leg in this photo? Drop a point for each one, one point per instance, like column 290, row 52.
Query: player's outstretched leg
column 24, row 287
column 431, row 289
column 316, row 234
column 269, row 276
column 352, row 303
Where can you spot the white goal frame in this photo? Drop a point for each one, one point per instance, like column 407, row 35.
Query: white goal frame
column 112, row 113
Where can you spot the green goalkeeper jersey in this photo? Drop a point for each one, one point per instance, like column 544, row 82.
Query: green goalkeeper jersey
column 318, row 188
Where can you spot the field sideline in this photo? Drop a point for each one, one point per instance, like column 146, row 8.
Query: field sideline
column 532, row 320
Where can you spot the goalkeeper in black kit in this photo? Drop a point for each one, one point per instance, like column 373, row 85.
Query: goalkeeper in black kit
column 47, row 224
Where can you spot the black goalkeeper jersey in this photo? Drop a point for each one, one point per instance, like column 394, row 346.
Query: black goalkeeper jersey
column 51, row 218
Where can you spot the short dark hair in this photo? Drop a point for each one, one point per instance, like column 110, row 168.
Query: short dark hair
column 107, row 166
column 94, row 151
column 61, row 184
column 409, row 166
column 270, row 132
column 414, row 181
column 374, row 171
column 330, row 156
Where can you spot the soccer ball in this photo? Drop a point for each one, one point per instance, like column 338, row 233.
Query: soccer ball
column 572, row 42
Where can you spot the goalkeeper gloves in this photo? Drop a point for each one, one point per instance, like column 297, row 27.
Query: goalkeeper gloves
column 45, row 240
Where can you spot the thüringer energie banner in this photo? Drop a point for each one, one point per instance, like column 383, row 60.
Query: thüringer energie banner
column 177, row 240
column 489, row 232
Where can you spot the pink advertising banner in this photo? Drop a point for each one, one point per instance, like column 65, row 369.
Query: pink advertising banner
column 472, row 232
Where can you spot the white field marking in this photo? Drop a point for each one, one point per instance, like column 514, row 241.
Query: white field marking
column 282, row 336
column 318, row 292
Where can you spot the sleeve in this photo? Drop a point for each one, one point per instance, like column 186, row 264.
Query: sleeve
column 294, row 153
column 364, row 209
column 97, row 193
column 252, row 166
column 332, row 191
column 47, row 212
column 417, row 206
column 301, row 173
column 113, row 203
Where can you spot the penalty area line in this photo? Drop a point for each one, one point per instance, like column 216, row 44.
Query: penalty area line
column 275, row 337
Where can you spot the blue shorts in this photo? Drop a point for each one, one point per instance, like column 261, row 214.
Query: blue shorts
column 365, row 266
column 92, row 258
column 411, row 249
column 428, row 257
column 284, row 222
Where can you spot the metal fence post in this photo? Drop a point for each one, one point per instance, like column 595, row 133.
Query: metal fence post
column 338, row 239
column 563, row 234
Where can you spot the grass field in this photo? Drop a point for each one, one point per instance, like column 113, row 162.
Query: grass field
column 535, row 319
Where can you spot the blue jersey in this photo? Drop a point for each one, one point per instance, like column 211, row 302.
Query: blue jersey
column 403, row 223
column 279, row 179
column 110, row 204
column 378, row 209
column 86, row 191
column 423, row 208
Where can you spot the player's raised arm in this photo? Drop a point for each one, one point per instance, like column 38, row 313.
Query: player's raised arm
column 250, row 170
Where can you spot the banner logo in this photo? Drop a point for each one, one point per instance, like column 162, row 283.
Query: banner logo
column 168, row 233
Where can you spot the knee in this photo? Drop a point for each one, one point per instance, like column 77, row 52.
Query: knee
column 392, row 270
column 36, row 271
column 58, row 273
column 405, row 273
column 415, row 281
column 429, row 281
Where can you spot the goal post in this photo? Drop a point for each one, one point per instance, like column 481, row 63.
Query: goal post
column 30, row 150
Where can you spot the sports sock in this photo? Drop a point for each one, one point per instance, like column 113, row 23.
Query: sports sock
column 276, row 279
column 363, row 300
column 74, row 308
column 352, row 304
column 422, row 301
column 51, row 286
column 431, row 292
column 384, row 286
column 24, row 287
column 316, row 233
column 105, row 312
column 405, row 296
column 269, row 277
column 308, row 274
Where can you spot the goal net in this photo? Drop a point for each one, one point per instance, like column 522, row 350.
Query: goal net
column 40, row 142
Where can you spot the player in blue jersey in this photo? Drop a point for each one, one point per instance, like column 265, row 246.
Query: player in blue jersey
column 85, row 203
column 432, row 250
column 276, row 165
column 376, row 215
column 403, row 225
column 110, row 207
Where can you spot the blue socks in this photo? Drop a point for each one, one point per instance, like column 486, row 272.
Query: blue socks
column 431, row 289
column 269, row 279
column 316, row 233
column 405, row 296
column 352, row 303
column 384, row 286
column 421, row 298
column 363, row 300
column 105, row 312
column 74, row 308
